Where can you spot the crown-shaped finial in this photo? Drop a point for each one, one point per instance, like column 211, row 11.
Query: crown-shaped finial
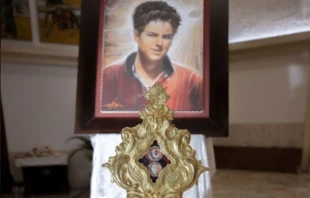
column 156, row 112
column 157, row 95
column 155, row 159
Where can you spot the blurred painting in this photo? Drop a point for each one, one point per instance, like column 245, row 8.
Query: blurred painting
column 59, row 21
column 15, row 20
column 148, row 42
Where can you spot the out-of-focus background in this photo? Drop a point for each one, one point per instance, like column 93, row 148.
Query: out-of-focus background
column 269, row 83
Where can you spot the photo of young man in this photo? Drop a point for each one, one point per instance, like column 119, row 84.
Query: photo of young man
column 124, row 84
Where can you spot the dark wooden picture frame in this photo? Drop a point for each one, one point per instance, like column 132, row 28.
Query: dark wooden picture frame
column 213, row 121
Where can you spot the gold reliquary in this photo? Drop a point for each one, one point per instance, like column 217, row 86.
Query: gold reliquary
column 154, row 159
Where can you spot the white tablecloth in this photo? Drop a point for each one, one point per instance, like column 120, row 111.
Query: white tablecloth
column 104, row 147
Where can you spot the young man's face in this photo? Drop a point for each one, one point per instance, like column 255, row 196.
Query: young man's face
column 155, row 40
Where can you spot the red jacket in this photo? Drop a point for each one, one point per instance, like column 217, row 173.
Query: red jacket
column 122, row 90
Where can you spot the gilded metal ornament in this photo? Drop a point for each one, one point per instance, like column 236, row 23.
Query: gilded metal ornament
column 155, row 159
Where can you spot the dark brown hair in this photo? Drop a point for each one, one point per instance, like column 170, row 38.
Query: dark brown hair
column 153, row 11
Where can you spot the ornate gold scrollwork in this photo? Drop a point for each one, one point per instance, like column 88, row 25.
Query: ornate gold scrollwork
column 167, row 178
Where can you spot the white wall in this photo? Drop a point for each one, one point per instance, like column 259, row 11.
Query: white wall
column 39, row 100
column 250, row 20
column 269, row 88
column 38, row 103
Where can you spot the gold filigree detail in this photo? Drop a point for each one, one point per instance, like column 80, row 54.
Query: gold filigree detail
column 178, row 176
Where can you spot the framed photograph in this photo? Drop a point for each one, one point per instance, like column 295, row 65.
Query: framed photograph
column 59, row 21
column 128, row 46
column 15, row 20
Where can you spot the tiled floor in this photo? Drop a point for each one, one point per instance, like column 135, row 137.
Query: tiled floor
column 245, row 184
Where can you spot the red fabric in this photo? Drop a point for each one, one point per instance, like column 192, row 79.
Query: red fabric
column 121, row 91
